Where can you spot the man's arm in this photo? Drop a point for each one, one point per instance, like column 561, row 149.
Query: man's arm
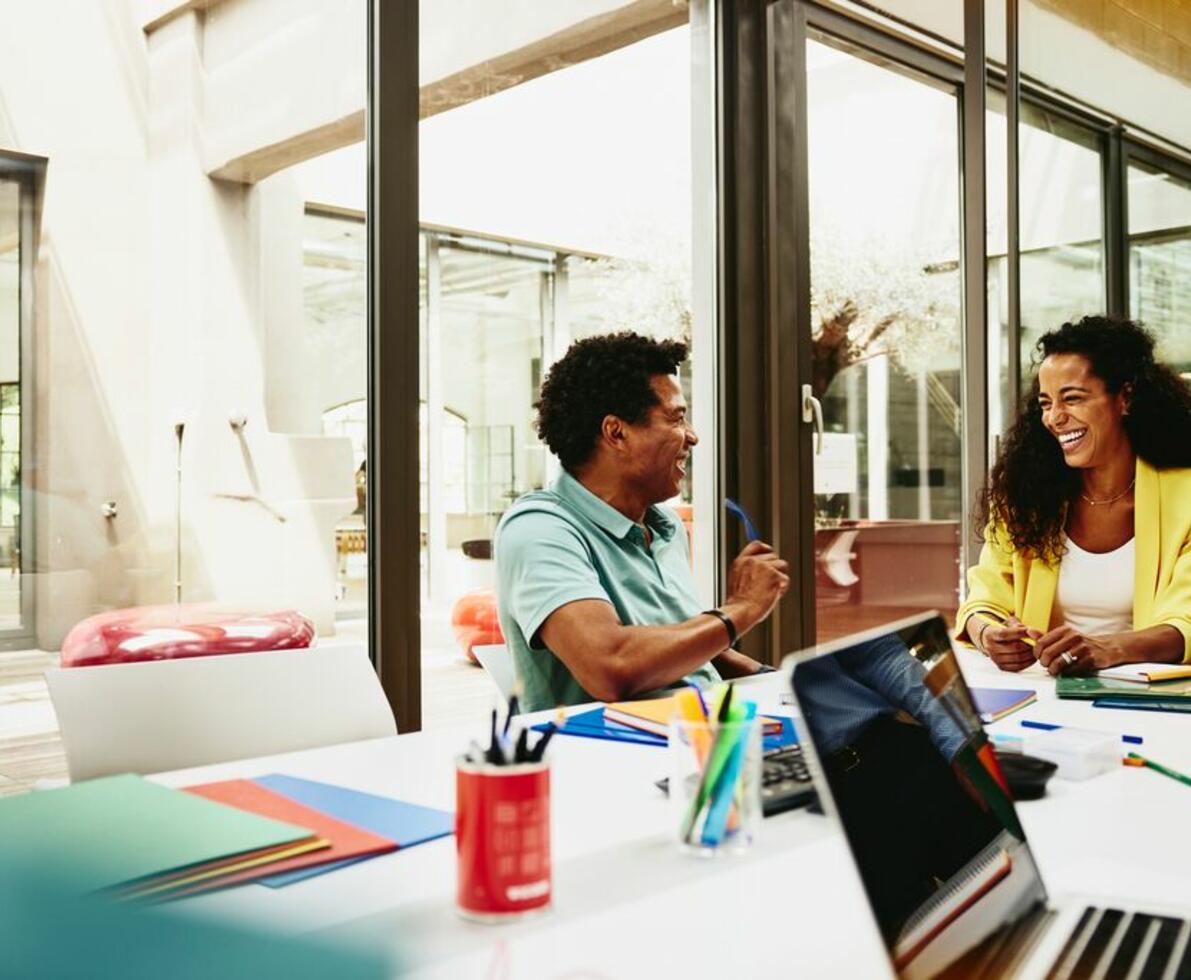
column 613, row 661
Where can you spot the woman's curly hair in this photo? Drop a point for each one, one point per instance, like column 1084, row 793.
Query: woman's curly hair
column 599, row 376
column 1030, row 484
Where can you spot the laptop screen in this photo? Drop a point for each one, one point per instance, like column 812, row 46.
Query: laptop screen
column 890, row 727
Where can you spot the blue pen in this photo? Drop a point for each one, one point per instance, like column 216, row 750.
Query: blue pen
column 1048, row 727
column 750, row 529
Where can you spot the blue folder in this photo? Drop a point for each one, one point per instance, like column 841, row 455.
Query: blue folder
column 404, row 823
column 593, row 724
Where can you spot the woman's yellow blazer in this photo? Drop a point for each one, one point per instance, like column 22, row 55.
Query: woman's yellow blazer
column 1004, row 582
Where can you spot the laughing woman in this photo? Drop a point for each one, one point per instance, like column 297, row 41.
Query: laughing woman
column 1087, row 554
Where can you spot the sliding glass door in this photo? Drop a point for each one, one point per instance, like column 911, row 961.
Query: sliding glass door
column 886, row 336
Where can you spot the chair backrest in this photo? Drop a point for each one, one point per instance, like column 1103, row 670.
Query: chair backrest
column 496, row 659
column 173, row 714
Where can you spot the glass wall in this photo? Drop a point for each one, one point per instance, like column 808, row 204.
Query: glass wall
column 886, row 338
column 12, row 615
column 1159, row 210
column 196, row 329
column 1062, row 273
column 555, row 204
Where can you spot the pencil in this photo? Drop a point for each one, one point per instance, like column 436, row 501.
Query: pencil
column 994, row 621
column 1151, row 764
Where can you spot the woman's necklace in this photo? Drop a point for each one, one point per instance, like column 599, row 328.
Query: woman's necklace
column 1110, row 500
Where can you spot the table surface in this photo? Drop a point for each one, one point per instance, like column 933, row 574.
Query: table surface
column 628, row 903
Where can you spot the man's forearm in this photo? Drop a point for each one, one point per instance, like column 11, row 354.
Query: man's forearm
column 733, row 663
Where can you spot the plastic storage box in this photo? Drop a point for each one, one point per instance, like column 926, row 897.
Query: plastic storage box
column 1079, row 754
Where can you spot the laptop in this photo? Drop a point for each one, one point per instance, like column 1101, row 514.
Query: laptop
column 899, row 756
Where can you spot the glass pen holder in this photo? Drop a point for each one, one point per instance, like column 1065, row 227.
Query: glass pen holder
column 715, row 784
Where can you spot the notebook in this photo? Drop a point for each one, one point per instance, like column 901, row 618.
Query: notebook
column 406, row 824
column 1090, row 688
column 123, row 830
column 1146, row 673
column 593, row 723
column 653, row 715
column 952, row 883
column 994, row 703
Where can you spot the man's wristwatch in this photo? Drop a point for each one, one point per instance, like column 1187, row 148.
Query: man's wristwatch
column 724, row 618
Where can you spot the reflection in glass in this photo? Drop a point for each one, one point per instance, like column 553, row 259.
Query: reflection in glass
column 1160, row 259
column 1062, row 247
column 886, row 336
column 10, row 405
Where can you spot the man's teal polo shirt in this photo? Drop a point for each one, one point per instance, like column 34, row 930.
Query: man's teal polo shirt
column 563, row 544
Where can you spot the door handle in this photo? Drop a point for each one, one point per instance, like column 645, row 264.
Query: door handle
column 812, row 411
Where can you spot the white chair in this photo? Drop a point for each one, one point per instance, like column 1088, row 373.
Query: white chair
column 496, row 659
column 173, row 714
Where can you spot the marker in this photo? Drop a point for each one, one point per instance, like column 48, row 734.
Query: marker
column 1048, row 727
column 1138, row 760
column 750, row 529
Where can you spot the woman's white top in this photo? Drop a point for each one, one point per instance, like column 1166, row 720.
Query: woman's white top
column 1095, row 594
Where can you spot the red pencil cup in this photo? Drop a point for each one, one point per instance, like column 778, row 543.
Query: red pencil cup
column 502, row 839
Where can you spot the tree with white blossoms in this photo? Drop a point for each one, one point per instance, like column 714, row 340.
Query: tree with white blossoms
column 871, row 298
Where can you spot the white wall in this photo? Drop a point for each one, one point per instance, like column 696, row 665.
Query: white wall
column 162, row 296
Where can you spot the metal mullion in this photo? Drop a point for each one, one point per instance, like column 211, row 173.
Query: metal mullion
column 1152, row 156
column 1013, row 206
column 869, row 37
column 1115, row 226
column 394, row 587
column 790, row 459
column 975, row 260
column 741, row 296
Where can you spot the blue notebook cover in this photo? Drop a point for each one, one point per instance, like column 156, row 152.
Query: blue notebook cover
column 406, row 824
column 1181, row 707
column 993, row 703
column 593, row 724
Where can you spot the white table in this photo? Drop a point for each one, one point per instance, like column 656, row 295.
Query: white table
column 627, row 903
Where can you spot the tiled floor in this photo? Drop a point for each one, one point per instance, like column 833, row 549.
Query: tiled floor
column 453, row 692
column 30, row 748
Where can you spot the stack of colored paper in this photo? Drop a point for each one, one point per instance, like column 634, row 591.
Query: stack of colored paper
column 126, row 835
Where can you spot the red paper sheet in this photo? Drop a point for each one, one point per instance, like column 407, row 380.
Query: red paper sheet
column 347, row 841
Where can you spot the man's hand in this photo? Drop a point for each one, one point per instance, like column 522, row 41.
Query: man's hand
column 1004, row 645
column 1067, row 651
column 757, row 580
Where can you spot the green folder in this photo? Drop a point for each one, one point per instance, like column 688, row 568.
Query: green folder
column 122, row 829
column 1087, row 688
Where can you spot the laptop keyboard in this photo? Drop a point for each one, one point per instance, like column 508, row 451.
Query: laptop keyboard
column 1108, row 944
column 785, row 781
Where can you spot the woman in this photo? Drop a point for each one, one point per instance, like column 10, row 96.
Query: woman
column 1087, row 555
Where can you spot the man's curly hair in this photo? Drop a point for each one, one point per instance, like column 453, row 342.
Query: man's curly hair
column 599, row 376
column 1031, row 485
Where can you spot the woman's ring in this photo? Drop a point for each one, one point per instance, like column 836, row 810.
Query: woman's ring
column 1068, row 658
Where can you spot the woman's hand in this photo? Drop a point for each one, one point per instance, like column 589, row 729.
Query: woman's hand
column 1067, row 651
column 1004, row 645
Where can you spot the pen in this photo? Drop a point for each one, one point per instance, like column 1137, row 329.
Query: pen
column 1134, row 759
column 750, row 529
column 512, row 711
column 1048, row 727
column 540, row 749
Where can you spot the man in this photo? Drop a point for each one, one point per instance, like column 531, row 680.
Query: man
column 597, row 599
